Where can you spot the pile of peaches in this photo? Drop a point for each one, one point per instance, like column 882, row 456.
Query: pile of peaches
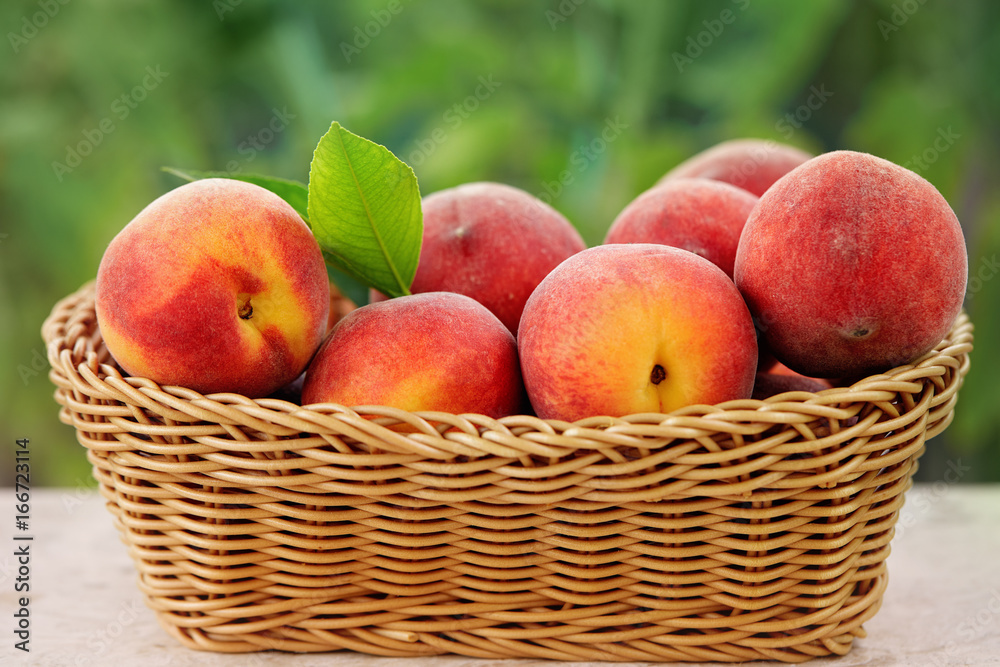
column 750, row 269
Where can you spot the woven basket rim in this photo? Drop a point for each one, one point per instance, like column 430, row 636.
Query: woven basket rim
column 81, row 362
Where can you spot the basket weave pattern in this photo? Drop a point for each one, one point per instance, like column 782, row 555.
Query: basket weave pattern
column 748, row 530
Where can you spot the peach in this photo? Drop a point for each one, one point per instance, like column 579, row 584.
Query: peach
column 751, row 164
column 492, row 242
column 621, row 329
column 435, row 351
column 218, row 286
column 696, row 214
column 780, row 380
column 851, row 265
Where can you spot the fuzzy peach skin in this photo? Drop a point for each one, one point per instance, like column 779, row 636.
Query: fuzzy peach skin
column 852, row 265
column 435, row 351
column 751, row 164
column 621, row 329
column 696, row 214
column 492, row 242
column 218, row 286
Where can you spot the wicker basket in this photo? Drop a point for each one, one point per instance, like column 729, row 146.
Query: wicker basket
column 747, row 530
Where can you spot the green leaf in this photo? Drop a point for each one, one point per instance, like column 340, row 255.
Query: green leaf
column 293, row 192
column 364, row 207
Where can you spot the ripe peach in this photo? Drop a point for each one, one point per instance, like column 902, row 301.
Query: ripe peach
column 851, row 265
column 492, row 242
column 640, row 327
column 780, row 380
column 696, row 214
column 434, row 351
column 752, row 164
column 218, row 286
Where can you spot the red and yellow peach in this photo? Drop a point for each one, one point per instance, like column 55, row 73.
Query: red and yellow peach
column 218, row 286
column 436, row 351
column 619, row 329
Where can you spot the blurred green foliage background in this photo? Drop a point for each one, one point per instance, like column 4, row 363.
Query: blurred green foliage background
column 587, row 101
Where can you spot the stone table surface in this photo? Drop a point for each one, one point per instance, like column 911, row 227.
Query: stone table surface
column 942, row 606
